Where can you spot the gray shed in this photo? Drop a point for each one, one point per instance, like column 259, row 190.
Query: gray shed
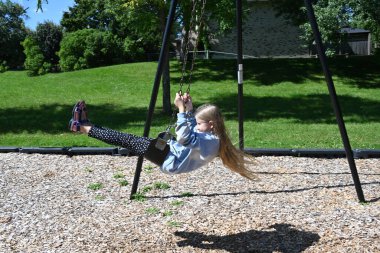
column 358, row 41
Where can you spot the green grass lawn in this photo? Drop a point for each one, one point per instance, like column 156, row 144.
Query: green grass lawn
column 286, row 102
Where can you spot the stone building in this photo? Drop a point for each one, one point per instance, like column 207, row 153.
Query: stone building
column 264, row 35
column 267, row 35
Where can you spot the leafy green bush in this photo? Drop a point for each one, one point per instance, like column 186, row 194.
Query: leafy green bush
column 72, row 48
column 3, row 66
column 133, row 51
column 46, row 68
column 34, row 61
column 89, row 48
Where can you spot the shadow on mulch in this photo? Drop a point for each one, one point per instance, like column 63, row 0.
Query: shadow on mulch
column 373, row 200
column 268, row 192
column 280, row 237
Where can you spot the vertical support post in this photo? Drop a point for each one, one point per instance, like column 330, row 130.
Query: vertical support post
column 156, row 85
column 239, row 25
column 334, row 99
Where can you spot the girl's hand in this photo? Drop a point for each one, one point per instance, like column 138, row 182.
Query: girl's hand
column 188, row 102
column 179, row 102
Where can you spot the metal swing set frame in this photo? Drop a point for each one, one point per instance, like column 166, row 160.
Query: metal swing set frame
column 326, row 71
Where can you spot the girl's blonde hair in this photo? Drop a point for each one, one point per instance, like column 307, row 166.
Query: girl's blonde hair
column 233, row 158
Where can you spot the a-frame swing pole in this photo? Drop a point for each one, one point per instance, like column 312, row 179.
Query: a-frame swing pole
column 239, row 29
column 334, row 99
column 156, row 86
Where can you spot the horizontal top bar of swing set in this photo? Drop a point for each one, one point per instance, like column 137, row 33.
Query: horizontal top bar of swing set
column 225, row 53
column 71, row 151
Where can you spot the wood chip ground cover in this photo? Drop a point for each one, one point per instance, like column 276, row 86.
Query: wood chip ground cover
column 56, row 203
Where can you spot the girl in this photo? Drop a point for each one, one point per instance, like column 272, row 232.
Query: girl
column 200, row 139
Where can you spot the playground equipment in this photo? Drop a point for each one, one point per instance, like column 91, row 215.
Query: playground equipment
column 327, row 74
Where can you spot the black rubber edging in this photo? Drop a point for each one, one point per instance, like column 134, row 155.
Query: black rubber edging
column 71, row 151
column 328, row 153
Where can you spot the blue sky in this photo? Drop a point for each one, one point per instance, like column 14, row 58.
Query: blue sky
column 52, row 11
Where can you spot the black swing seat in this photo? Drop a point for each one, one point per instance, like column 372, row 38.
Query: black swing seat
column 157, row 151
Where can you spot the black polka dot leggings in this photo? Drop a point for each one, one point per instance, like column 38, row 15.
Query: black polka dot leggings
column 136, row 144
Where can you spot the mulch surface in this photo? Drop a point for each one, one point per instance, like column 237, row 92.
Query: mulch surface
column 56, row 203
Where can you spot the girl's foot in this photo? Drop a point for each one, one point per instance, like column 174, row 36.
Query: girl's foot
column 77, row 111
column 83, row 116
column 79, row 117
column 74, row 126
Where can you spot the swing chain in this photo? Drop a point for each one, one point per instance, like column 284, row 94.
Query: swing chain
column 188, row 42
column 195, row 52
column 185, row 56
column 187, row 38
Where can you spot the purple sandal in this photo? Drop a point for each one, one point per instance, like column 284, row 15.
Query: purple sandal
column 79, row 117
column 74, row 126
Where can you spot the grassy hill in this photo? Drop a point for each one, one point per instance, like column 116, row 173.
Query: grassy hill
column 286, row 102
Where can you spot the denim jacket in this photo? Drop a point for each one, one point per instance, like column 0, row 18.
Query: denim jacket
column 192, row 149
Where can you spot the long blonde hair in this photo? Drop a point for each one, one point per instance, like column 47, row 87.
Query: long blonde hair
column 233, row 158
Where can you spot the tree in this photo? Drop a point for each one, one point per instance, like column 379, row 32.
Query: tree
column 141, row 23
column 332, row 16
column 147, row 20
column 367, row 15
column 87, row 14
column 114, row 16
column 12, row 33
column 48, row 36
column 141, row 14
column 39, row 4
column 41, row 47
